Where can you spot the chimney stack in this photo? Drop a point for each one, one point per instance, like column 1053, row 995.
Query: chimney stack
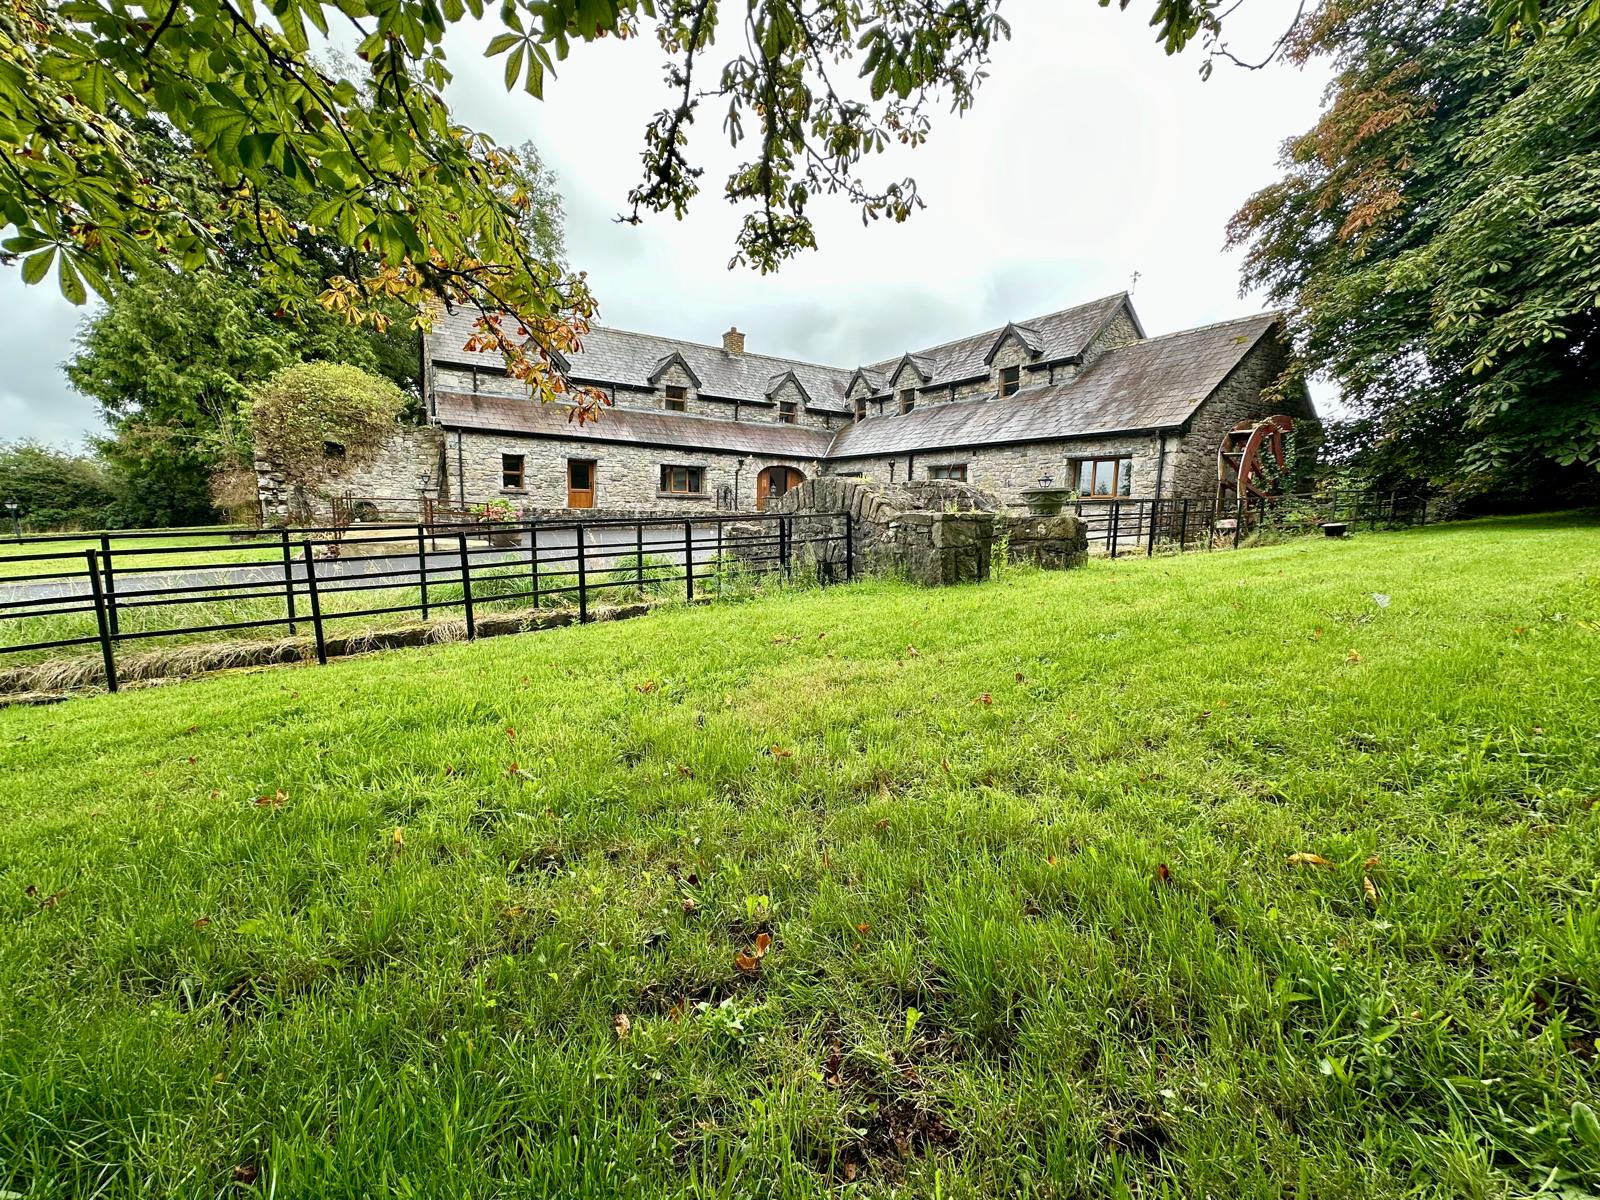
column 733, row 341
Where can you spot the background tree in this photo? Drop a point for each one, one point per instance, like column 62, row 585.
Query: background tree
column 1437, row 237
column 172, row 357
column 54, row 489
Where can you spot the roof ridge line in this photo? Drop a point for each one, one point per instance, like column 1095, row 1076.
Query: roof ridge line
column 1000, row 328
column 661, row 337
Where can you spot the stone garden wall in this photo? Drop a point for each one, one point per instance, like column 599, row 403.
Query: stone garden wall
column 933, row 532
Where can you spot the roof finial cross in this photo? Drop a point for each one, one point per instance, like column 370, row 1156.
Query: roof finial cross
column 1133, row 283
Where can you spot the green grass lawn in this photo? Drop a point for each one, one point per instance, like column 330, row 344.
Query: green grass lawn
column 487, row 919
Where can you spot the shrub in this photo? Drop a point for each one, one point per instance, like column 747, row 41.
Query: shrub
column 54, row 489
column 317, row 420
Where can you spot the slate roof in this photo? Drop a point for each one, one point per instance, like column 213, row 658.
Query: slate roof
column 1059, row 335
column 1153, row 384
column 620, row 357
column 519, row 414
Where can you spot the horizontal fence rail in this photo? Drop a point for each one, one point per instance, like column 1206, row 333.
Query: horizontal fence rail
column 1123, row 525
column 318, row 578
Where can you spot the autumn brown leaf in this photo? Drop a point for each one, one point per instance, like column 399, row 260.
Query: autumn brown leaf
column 984, row 698
column 1302, row 859
column 779, row 752
column 276, row 800
column 622, row 1025
column 913, row 652
column 1163, row 873
column 645, row 688
column 200, row 922
column 1370, row 890
column 1354, row 656
column 749, row 961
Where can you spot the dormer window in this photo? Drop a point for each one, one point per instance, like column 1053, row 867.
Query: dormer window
column 788, row 411
column 861, row 408
column 677, row 398
column 908, row 399
column 1010, row 380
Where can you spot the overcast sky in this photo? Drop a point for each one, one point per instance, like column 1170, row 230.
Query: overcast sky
column 1090, row 156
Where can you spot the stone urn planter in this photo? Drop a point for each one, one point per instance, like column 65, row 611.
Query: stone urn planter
column 1045, row 502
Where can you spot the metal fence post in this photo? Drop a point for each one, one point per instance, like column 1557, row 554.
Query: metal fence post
column 533, row 561
column 1116, row 525
column 102, row 626
column 316, row 602
column 583, row 575
column 638, row 553
column 716, row 563
column 422, row 571
column 288, row 580
column 111, row 583
column 1238, row 521
column 1150, row 544
column 688, row 558
column 1183, row 526
column 466, row 585
column 849, row 548
column 787, row 524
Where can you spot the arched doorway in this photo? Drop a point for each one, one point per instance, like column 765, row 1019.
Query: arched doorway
column 775, row 481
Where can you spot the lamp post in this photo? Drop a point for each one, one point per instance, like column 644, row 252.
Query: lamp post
column 1045, row 480
column 16, row 521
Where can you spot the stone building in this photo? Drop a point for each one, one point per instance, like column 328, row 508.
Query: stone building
column 1080, row 398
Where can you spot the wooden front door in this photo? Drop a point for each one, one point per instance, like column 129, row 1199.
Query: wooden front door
column 774, row 482
column 580, row 483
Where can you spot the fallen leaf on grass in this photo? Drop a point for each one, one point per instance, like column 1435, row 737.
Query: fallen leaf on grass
column 1163, row 873
column 881, row 824
column 1353, row 656
column 622, row 1025
column 200, row 922
column 246, row 1173
column 686, row 772
column 645, row 688
column 913, row 652
column 864, row 928
column 778, row 751
column 276, row 800
column 1370, row 891
column 984, row 698
column 1302, row 859
column 689, row 904
column 511, row 733
column 398, row 839
column 750, row 960
column 1371, row 862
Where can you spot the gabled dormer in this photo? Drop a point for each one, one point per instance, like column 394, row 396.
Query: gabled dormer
column 786, row 391
column 677, row 381
column 1028, row 339
column 666, row 364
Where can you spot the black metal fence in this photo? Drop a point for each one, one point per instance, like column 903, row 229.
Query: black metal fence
column 1125, row 525
column 107, row 595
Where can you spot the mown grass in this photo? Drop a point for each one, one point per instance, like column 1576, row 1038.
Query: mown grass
column 133, row 555
column 1022, row 851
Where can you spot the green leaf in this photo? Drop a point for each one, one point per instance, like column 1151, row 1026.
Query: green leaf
column 1585, row 1125
column 71, row 285
column 35, row 266
column 514, row 65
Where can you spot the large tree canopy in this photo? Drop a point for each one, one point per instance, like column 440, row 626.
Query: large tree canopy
column 422, row 206
column 1437, row 236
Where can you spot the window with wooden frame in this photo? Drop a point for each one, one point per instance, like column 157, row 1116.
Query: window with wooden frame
column 1010, row 380
column 955, row 471
column 682, row 481
column 677, row 398
column 512, row 472
column 1104, row 476
column 788, row 411
column 908, row 399
column 861, row 408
